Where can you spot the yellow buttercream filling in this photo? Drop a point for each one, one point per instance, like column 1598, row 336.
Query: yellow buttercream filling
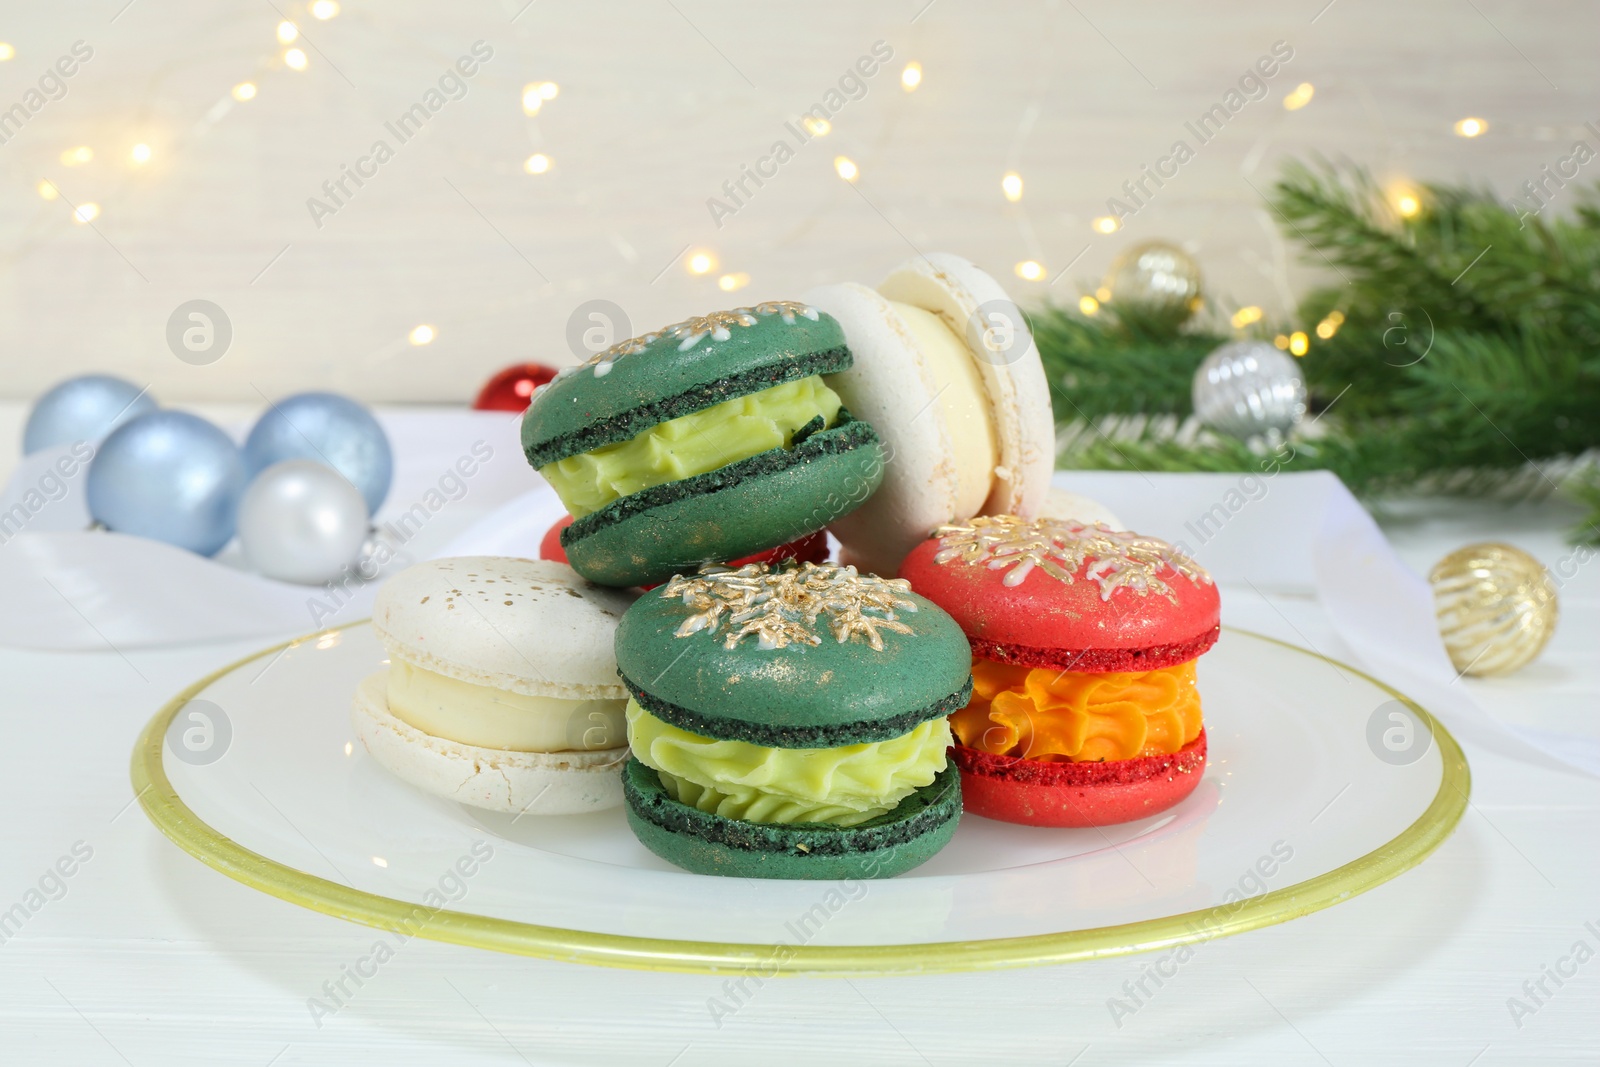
column 963, row 401
column 843, row 786
column 697, row 443
column 498, row 718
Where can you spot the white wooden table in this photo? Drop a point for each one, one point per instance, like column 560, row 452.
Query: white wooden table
column 149, row 957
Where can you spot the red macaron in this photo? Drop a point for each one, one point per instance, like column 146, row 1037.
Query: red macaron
column 812, row 548
column 1084, row 709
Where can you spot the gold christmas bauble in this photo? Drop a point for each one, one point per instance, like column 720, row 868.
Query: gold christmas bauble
column 1496, row 607
column 1157, row 276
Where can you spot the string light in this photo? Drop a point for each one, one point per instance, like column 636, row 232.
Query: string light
column 47, row 190
column 1471, row 127
column 1298, row 343
column 1011, row 185
column 1282, row 341
column 1103, row 295
column 1405, row 200
column 1107, row 224
column 538, row 163
column 244, row 91
column 349, row 747
column 1029, row 270
column 1330, row 324
column 911, row 76
column 86, row 213
column 324, row 9
column 379, row 860
column 532, row 100
column 549, row 90
column 847, row 168
column 287, row 31
column 1088, row 305
column 294, row 59
column 701, row 261
column 730, row 282
column 6, row 51
column 815, row 126
column 1245, row 316
column 422, row 335
column 75, row 157
column 1299, row 96
column 140, row 153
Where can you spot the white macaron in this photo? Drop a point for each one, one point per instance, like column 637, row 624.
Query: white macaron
column 1062, row 504
column 502, row 689
column 947, row 373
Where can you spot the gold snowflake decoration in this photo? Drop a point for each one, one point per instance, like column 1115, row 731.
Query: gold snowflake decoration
column 783, row 605
column 1113, row 559
column 789, row 309
column 718, row 325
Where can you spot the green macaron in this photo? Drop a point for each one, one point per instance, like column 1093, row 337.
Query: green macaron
column 706, row 441
column 789, row 722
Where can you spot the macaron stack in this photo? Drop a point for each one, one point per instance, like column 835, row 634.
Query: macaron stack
column 705, row 441
column 789, row 717
column 790, row 722
column 501, row 690
column 1084, row 709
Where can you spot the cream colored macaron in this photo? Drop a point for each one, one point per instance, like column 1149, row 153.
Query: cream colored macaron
column 947, row 373
column 1061, row 504
column 501, row 690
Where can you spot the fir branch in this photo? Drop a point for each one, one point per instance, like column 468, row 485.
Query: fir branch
column 1119, row 362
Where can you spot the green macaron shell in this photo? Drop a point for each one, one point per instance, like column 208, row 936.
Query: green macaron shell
column 704, row 843
column 801, row 695
column 745, row 507
column 582, row 409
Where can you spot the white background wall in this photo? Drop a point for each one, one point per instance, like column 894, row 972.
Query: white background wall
column 659, row 103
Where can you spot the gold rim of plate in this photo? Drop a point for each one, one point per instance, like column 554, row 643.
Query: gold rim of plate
column 1410, row 847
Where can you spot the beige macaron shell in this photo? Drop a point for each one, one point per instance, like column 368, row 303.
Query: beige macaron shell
column 1061, row 504
column 523, row 625
column 533, row 783
column 1019, row 396
column 889, row 387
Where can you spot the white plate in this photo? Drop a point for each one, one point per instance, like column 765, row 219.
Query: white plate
column 1310, row 796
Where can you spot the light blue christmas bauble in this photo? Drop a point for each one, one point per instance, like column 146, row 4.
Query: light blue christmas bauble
column 330, row 429
column 302, row 521
column 170, row 476
column 83, row 409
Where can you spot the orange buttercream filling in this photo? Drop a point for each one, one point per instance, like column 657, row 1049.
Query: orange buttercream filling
column 1046, row 714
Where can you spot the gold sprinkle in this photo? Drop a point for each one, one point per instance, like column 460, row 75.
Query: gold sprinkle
column 718, row 325
column 782, row 606
column 1113, row 559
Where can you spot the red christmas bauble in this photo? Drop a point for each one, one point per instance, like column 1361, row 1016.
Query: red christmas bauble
column 512, row 388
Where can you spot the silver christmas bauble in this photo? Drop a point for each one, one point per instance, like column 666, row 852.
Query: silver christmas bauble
column 1155, row 275
column 302, row 522
column 1249, row 388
